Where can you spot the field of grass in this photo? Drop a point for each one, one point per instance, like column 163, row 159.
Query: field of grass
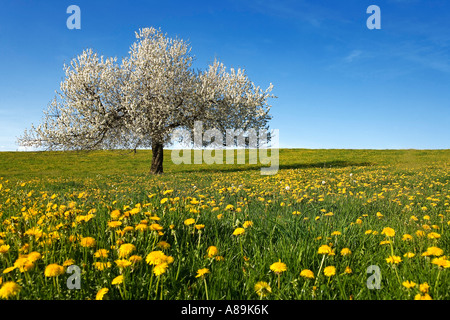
column 225, row 231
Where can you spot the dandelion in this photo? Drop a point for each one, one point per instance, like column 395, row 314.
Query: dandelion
column 394, row 260
column 102, row 265
column 199, row 226
column 126, row 249
column 141, row 227
column 306, row 273
column 101, row 253
column 433, row 235
column 238, row 231
column 433, row 251
column 135, row 259
column 426, row 296
column 163, row 245
column 9, row 289
column 87, row 242
column 158, row 257
column 189, row 221
column 329, row 271
column 389, row 232
column 345, row 252
column 262, row 289
column 161, row 268
column 424, row 287
column 53, row 270
column 8, row 270
column 348, row 270
column 409, row 284
column 420, row 233
column 122, row 263
column 202, row 272
column 4, row 248
column 117, row 280
column 336, row 233
column 101, row 293
column 156, row 227
column 441, row 262
column 407, row 237
column 278, row 267
column 325, row 249
column 247, row 224
column 212, row 251
column 409, row 255
column 34, row 256
column 68, row 262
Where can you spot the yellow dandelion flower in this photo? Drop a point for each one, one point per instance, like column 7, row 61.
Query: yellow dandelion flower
column 407, row 237
column 101, row 293
column 160, row 269
column 4, row 248
column 135, row 259
column 306, row 273
column 212, row 251
column 87, row 242
column 409, row 284
column 238, row 231
column 262, row 289
column 348, row 270
column 53, row 270
column 420, row 233
column 101, row 253
column 202, row 272
column 278, row 267
column 247, row 224
column 163, row 245
column 8, row 270
column 199, row 226
column 329, row 271
column 156, row 227
column 433, row 235
column 9, row 289
column 389, row 232
column 189, row 221
column 426, row 296
column 126, row 249
column 424, row 287
column 394, row 259
column 441, row 262
column 346, row 252
column 157, row 257
column 409, row 255
column 114, row 224
column 433, row 251
column 102, row 265
column 122, row 263
column 117, row 280
column 325, row 249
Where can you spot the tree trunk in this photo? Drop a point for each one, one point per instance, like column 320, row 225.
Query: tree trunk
column 157, row 158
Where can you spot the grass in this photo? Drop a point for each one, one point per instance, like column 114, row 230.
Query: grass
column 50, row 201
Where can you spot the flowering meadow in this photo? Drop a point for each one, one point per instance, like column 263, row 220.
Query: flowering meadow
column 311, row 231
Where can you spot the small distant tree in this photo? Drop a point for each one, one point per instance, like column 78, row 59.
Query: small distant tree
column 139, row 102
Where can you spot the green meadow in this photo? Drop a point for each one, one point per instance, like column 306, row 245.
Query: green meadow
column 215, row 232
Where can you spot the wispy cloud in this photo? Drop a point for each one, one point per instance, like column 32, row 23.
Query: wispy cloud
column 352, row 56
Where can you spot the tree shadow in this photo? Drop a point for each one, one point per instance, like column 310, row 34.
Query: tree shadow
column 252, row 167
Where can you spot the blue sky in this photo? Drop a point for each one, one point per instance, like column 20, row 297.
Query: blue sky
column 339, row 84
